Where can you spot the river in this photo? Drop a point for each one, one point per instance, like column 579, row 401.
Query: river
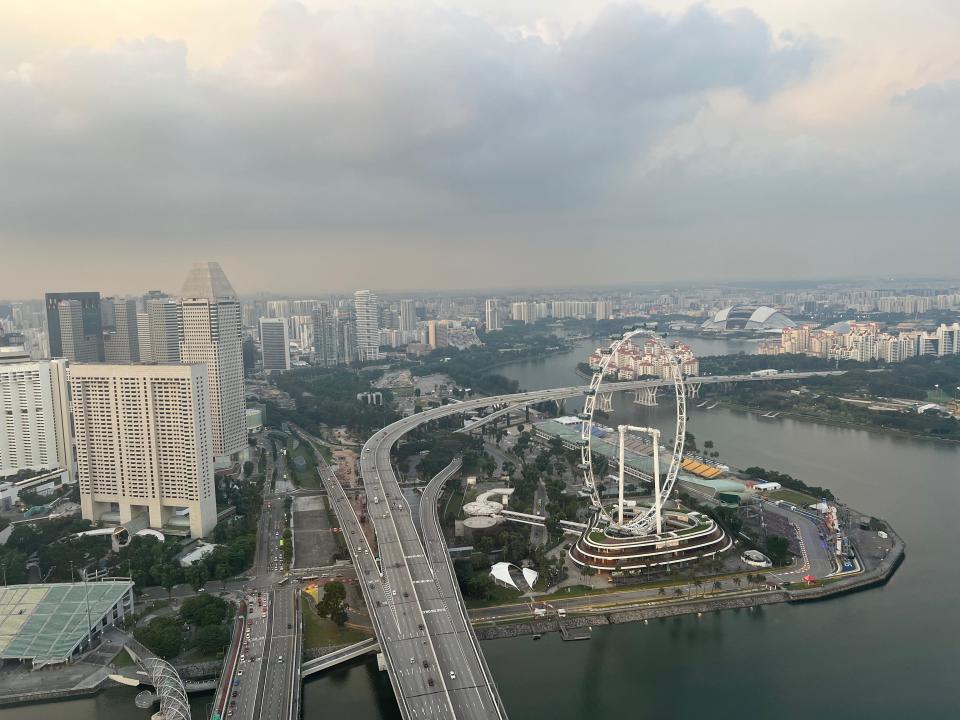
column 890, row 652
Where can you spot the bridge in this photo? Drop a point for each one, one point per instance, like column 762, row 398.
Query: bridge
column 434, row 663
column 645, row 389
column 336, row 657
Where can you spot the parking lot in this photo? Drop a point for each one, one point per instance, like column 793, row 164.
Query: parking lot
column 313, row 542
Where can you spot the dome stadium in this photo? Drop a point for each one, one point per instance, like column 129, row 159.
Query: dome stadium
column 750, row 318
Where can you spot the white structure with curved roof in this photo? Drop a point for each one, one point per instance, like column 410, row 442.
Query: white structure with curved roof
column 756, row 318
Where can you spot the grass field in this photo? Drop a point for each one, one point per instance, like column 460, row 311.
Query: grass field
column 307, row 477
column 122, row 660
column 321, row 632
column 792, row 496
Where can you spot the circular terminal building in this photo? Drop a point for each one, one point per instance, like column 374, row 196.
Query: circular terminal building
column 685, row 537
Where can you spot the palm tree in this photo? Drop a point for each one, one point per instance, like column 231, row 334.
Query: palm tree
column 737, row 581
column 698, row 583
column 717, row 584
column 662, row 591
column 678, row 592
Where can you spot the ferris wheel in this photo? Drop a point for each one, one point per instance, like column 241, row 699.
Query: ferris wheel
column 645, row 520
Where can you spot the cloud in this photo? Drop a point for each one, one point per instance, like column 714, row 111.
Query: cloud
column 359, row 119
column 934, row 98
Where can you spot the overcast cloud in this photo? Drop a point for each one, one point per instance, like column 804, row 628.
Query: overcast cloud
column 431, row 146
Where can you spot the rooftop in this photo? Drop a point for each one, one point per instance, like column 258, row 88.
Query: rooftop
column 207, row 280
column 46, row 622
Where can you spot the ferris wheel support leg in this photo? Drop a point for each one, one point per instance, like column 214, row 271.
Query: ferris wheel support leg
column 656, row 478
column 623, row 437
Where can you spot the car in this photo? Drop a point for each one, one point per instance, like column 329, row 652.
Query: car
column 412, row 660
column 239, row 672
column 453, row 675
column 235, row 693
column 279, row 658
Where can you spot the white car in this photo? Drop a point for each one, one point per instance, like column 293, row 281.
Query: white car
column 453, row 675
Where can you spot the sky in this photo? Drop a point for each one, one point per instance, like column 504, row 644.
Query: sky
column 315, row 147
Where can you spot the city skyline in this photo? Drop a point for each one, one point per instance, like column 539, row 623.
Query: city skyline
column 468, row 146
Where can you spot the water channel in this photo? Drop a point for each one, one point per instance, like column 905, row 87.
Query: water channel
column 890, row 652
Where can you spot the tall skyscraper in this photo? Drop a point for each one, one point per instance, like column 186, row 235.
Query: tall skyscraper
column 144, row 443
column 274, row 345
column 210, row 332
column 120, row 344
column 325, row 335
column 408, row 315
column 493, row 315
column 84, row 326
column 143, row 337
column 368, row 325
column 347, row 341
column 34, row 415
column 164, row 333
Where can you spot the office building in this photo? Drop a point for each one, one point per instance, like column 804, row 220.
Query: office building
column 493, row 316
column 347, row 342
column 210, row 332
column 144, row 444
column 408, row 315
column 143, row 337
column 34, row 415
column 79, row 335
column 164, row 330
column 324, row 335
column 368, row 325
column 274, row 345
column 120, row 343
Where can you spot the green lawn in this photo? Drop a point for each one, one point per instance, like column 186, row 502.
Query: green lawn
column 321, row 632
column 308, row 476
column 792, row 496
column 122, row 660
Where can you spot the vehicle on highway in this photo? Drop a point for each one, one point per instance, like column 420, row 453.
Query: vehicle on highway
column 279, row 658
column 453, row 675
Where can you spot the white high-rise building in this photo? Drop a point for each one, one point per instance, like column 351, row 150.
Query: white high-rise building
column 144, row 444
column 493, row 315
column 210, row 332
column 34, row 415
column 408, row 315
column 368, row 325
column 143, row 337
column 274, row 345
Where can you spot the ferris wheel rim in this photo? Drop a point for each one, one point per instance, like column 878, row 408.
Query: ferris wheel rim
column 640, row 524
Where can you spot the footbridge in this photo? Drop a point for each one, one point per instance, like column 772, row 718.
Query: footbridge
column 325, row 662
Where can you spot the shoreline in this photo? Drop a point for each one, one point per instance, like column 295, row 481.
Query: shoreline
column 634, row 612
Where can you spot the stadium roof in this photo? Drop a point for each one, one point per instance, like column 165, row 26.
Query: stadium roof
column 46, row 622
column 748, row 317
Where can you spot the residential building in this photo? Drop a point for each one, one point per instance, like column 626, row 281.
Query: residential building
column 34, row 415
column 408, row 315
column 274, row 345
column 79, row 335
column 325, row 335
column 144, row 444
column 210, row 332
column 492, row 311
column 368, row 325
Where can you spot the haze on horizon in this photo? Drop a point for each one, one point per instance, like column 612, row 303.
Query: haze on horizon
column 321, row 146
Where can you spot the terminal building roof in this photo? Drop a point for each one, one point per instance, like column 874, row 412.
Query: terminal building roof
column 46, row 622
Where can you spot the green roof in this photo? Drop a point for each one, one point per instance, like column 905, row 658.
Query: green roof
column 46, row 622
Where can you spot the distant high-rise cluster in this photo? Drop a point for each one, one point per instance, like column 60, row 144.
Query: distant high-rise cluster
column 863, row 342
column 492, row 315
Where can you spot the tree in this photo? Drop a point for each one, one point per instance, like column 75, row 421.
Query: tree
column 204, row 610
column 247, row 468
column 197, row 575
column 162, row 635
column 717, row 584
column 333, row 604
column 211, row 639
column 778, row 548
column 169, row 576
